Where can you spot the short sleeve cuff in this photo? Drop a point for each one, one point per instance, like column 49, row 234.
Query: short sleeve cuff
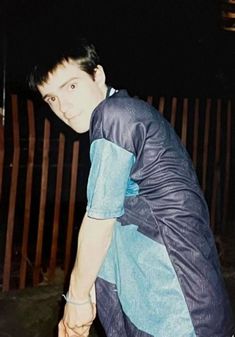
column 97, row 214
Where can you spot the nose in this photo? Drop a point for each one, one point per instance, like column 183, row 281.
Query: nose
column 65, row 107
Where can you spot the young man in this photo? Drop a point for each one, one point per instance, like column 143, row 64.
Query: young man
column 145, row 240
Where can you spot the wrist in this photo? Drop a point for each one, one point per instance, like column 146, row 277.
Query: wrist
column 74, row 301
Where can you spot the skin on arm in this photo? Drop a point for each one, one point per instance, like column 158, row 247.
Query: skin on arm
column 94, row 239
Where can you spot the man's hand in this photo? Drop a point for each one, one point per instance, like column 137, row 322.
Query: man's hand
column 77, row 320
column 66, row 332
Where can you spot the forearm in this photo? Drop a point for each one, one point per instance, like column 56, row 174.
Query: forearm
column 93, row 242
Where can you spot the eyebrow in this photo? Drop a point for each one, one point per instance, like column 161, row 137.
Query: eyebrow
column 61, row 86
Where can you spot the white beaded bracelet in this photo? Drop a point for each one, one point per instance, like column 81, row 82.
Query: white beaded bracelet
column 68, row 300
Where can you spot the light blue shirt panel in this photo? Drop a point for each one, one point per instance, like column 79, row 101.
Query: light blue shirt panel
column 108, row 179
column 147, row 285
column 132, row 188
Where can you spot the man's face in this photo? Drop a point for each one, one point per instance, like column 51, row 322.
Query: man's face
column 73, row 94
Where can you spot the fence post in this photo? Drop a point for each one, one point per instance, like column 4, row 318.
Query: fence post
column 216, row 186
column 72, row 200
column 43, row 195
column 150, row 100
column 227, row 162
column 173, row 111
column 28, row 194
column 206, row 143
column 161, row 105
column 1, row 154
column 184, row 122
column 57, row 209
column 195, row 132
column 13, row 192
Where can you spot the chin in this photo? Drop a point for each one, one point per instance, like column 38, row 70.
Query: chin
column 81, row 130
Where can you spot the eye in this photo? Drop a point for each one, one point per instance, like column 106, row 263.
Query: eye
column 72, row 86
column 51, row 100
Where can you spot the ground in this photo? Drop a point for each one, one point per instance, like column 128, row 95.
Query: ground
column 34, row 312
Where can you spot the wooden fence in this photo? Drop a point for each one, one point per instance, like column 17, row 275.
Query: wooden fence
column 39, row 182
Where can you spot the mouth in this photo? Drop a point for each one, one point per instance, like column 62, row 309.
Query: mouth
column 69, row 118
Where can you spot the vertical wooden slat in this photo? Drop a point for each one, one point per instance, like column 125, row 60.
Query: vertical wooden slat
column 42, row 206
column 150, row 99
column 216, row 168
column 28, row 193
column 173, row 111
column 195, row 132
column 206, row 144
column 72, row 201
column 1, row 154
column 227, row 162
column 13, row 192
column 57, row 209
column 184, row 122
column 161, row 104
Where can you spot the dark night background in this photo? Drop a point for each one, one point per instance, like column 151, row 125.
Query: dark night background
column 153, row 47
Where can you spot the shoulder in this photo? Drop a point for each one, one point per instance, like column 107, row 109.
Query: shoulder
column 122, row 106
column 123, row 109
column 122, row 119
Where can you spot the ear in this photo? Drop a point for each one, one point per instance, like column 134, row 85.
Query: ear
column 100, row 75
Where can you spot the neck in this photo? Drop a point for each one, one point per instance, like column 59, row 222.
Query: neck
column 105, row 91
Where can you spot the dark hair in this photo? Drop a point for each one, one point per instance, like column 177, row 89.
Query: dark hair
column 80, row 51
